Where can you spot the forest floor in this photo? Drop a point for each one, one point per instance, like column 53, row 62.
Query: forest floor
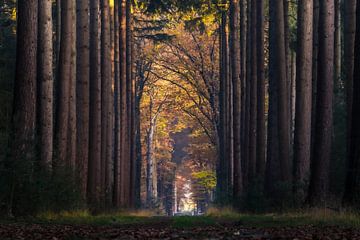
column 270, row 226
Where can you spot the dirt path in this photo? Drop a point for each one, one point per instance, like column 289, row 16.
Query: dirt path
column 73, row 232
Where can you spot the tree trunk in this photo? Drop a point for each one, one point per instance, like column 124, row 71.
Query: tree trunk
column 117, row 112
column 222, row 167
column 272, row 174
column 71, row 147
column 129, row 102
column 235, row 74
column 302, row 137
column 337, row 52
column 46, row 82
column 124, row 159
column 106, row 85
column 348, row 63
column 150, row 164
column 261, row 131
column 323, row 125
column 64, row 82
column 82, row 92
column 315, row 70
column 351, row 197
column 253, row 94
column 283, row 97
column 94, row 177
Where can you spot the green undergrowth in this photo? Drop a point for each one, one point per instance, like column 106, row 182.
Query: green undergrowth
column 212, row 218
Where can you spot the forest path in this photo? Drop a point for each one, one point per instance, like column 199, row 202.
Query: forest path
column 164, row 229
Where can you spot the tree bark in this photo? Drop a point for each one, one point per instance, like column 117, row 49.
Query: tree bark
column 261, row 131
column 348, row 69
column 64, row 71
column 351, row 197
column 302, row 138
column 117, row 112
column 46, row 82
column 72, row 146
column 129, row 104
column 236, row 81
column 222, row 166
column 106, row 85
column 253, row 94
column 323, row 126
column 94, row 174
column 82, row 93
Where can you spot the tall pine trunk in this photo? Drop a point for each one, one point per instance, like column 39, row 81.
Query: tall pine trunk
column 261, row 130
column 348, row 69
column 72, row 136
column 46, row 83
column 82, row 92
column 323, row 126
column 64, row 82
column 351, row 197
column 94, row 174
column 236, row 82
column 106, row 84
column 302, row 138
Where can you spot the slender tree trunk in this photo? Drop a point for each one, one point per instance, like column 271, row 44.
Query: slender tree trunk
column 222, row 168
column 302, row 138
column 315, row 71
column 64, row 82
column 94, row 174
column 46, row 82
column 323, row 125
column 82, row 93
column 338, row 50
column 124, row 159
column 235, row 73
column 244, row 66
column 351, row 197
column 348, row 63
column 273, row 171
column 129, row 102
column 71, row 147
column 106, row 85
column 134, row 166
column 58, row 32
column 283, row 98
column 261, row 131
column 117, row 105
column 247, row 95
column 253, row 94
column 150, row 165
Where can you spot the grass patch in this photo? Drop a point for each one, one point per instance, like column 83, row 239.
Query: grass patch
column 85, row 218
column 212, row 218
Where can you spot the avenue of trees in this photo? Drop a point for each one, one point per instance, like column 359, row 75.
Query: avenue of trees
column 120, row 104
